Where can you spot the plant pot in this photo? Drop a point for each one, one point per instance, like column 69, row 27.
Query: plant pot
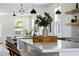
column 45, row 31
column 28, row 36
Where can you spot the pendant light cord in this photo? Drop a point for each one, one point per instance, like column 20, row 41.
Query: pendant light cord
column 21, row 6
column 33, row 5
column 33, row 11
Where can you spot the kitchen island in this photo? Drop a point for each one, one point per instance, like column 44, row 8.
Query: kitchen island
column 59, row 48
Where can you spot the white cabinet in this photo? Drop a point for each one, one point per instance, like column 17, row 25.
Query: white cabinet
column 69, row 52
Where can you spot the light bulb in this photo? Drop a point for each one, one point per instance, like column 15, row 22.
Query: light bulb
column 21, row 11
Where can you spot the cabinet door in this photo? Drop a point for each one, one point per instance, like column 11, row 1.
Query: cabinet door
column 69, row 53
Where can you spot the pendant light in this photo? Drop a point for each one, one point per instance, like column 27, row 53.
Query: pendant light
column 21, row 10
column 58, row 11
column 76, row 5
column 33, row 11
column 14, row 13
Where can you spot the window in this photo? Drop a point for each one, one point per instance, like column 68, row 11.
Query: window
column 57, row 23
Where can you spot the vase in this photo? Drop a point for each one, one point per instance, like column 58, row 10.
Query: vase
column 45, row 31
column 28, row 36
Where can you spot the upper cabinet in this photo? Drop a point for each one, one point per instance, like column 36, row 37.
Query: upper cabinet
column 73, row 11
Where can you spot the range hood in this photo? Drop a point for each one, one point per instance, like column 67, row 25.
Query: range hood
column 73, row 11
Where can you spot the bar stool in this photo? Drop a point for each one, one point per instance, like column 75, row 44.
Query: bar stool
column 14, row 51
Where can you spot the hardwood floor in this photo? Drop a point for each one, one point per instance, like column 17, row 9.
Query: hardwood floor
column 3, row 50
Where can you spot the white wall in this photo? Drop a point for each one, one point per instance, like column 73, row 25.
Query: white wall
column 64, row 18
column 7, row 26
column 66, row 30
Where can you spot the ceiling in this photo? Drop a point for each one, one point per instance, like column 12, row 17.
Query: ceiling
column 9, row 8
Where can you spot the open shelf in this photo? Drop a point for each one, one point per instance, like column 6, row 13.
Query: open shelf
column 73, row 24
column 73, row 11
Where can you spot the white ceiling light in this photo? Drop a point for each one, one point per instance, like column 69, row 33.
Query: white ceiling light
column 21, row 10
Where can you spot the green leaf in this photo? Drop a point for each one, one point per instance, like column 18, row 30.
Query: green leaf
column 44, row 21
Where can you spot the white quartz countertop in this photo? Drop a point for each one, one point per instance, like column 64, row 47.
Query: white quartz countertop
column 69, row 37
column 60, row 45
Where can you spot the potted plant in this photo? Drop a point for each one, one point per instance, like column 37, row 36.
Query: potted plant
column 44, row 21
column 28, row 33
